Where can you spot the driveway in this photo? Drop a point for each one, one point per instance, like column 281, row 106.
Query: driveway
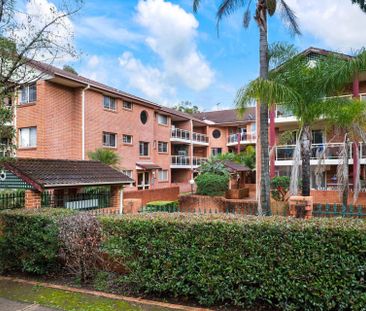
column 9, row 305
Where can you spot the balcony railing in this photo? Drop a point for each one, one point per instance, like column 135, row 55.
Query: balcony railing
column 283, row 112
column 244, row 137
column 181, row 134
column 199, row 138
column 187, row 161
column 286, row 153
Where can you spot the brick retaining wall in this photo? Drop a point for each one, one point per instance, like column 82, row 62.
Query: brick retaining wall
column 160, row 194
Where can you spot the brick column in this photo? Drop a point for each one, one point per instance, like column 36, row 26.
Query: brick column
column 32, row 199
column 116, row 202
column 301, row 206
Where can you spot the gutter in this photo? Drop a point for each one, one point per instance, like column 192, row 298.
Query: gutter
column 83, row 121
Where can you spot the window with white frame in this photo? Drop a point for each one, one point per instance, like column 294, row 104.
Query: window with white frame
column 127, row 105
column 162, row 147
column 28, row 93
column 28, row 137
column 163, row 175
column 109, row 139
column 162, row 119
column 144, row 149
column 128, row 173
column 127, row 139
column 109, row 103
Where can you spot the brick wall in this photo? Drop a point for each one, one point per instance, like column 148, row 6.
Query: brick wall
column 332, row 196
column 163, row 194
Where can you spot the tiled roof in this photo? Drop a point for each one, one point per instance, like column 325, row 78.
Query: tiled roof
column 46, row 173
column 227, row 116
column 236, row 167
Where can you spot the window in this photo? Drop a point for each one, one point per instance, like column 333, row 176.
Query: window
column 109, row 139
column 144, row 149
column 143, row 180
column 216, row 151
column 127, row 139
column 28, row 137
column 163, row 175
column 143, row 117
column 128, row 173
column 28, row 93
column 216, row 134
column 162, row 119
column 109, row 103
column 127, row 105
column 162, row 147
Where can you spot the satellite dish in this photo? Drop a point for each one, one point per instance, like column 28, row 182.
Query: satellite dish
column 2, row 175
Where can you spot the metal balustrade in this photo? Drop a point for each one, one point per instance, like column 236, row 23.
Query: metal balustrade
column 199, row 137
column 178, row 133
column 187, row 161
column 244, row 137
column 181, row 134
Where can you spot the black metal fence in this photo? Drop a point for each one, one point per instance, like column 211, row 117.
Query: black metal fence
column 85, row 201
column 339, row 210
column 11, row 200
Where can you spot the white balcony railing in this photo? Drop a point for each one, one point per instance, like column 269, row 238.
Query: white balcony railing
column 199, row 138
column 181, row 134
column 185, row 161
column 244, row 138
column 286, row 153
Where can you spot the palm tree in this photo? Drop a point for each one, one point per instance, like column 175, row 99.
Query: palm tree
column 106, row 156
column 304, row 87
column 261, row 9
column 361, row 3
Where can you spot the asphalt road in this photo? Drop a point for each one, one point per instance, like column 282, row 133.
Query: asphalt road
column 9, row 305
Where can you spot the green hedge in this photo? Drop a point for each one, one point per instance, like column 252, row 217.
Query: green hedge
column 29, row 239
column 291, row 264
column 212, row 184
column 161, row 206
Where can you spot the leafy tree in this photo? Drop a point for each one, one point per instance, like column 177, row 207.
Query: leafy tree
column 70, row 69
column 262, row 9
column 361, row 3
column 214, row 166
column 247, row 157
column 106, row 156
column 27, row 37
column 306, row 89
column 187, row 107
column 279, row 187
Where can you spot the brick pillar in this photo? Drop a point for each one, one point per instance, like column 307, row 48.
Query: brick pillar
column 116, row 197
column 301, row 206
column 32, row 199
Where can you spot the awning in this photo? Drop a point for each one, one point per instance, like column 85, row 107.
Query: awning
column 147, row 166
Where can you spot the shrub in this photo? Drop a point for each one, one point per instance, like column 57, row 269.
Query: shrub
column 161, row 206
column 279, row 187
column 29, row 239
column 214, row 166
column 290, row 264
column 80, row 237
column 212, row 184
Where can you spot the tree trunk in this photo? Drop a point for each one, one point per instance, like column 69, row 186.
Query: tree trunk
column 305, row 160
column 263, row 51
column 346, row 181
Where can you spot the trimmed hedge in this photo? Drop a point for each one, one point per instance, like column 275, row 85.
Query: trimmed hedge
column 161, row 206
column 212, row 184
column 287, row 263
column 291, row 264
column 29, row 239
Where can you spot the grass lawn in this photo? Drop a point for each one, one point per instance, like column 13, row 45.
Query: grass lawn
column 63, row 300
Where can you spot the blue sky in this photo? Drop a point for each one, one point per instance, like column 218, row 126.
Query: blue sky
column 160, row 50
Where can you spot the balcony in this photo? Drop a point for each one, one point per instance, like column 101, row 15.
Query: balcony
column 245, row 138
column 284, row 154
column 184, row 136
column 186, row 161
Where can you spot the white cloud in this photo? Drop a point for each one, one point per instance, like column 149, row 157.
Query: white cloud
column 106, row 30
column 337, row 24
column 60, row 35
column 171, row 34
column 151, row 81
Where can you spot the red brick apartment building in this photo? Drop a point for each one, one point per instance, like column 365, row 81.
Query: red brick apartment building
column 63, row 116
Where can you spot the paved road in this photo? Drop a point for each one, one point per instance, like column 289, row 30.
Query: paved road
column 8, row 305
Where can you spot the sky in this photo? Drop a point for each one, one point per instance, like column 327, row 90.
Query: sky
column 162, row 51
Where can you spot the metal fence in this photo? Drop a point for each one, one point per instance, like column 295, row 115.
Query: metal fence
column 11, row 200
column 339, row 210
column 85, row 201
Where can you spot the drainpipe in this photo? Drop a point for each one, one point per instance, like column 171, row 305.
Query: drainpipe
column 355, row 145
column 272, row 139
column 83, row 122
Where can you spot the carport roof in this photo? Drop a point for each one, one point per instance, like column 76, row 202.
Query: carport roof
column 45, row 173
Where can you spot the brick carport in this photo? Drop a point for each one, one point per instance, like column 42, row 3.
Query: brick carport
column 39, row 175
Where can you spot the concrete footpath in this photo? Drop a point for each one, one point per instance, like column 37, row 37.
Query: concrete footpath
column 9, row 305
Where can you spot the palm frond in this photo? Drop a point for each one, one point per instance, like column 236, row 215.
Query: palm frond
column 289, row 16
column 280, row 52
column 361, row 3
column 247, row 15
column 196, row 5
column 226, row 8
